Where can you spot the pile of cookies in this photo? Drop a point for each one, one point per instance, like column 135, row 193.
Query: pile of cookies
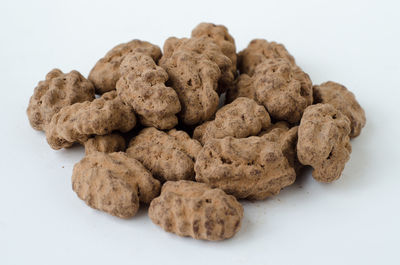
column 195, row 128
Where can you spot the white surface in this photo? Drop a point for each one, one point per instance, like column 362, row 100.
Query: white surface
column 352, row 221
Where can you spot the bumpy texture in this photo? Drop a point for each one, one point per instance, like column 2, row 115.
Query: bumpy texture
column 78, row 122
column 324, row 142
column 169, row 156
column 113, row 183
column 342, row 99
column 142, row 85
column 285, row 90
column 197, row 68
column 105, row 73
column 193, row 209
column 252, row 168
column 105, row 143
column 221, row 36
column 241, row 118
column 56, row 91
column 257, row 51
column 286, row 137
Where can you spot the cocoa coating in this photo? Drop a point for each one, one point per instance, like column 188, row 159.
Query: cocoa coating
column 252, row 168
column 241, row 118
column 105, row 73
column 221, row 36
column 286, row 137
column 113, row 183
column 105, row 143
column 142, row 86
column 188, row 208
column 284, row 89
column 323, row 141
column 78, row 122
column 198, row 71
column 338, row 96
column 56, row 91
column 257, row 51
column 190, row 146
column 169, row 156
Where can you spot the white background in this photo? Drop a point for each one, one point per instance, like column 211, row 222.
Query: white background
column 352, row 221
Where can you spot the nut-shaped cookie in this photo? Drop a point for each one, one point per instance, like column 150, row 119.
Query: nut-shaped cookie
column 142, row 86
column 257, row 51
column 105, row 143
column 221, row 36
column 324, row 142
column 241, row 118
column 281, row 133
column 113, row 183
column 56, row 91
column 252, row 168
column 197, row 68
column 341, row 98
column 193, row 209
column 285, row 90
column 168, row 156
column 105, row 73
column 78, row 122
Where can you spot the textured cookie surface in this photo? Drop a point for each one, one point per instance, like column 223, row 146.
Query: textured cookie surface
column 241, row 118
column 113, row 183
column 286, row 137
column 56, row 91
column 283, row 89
column 196, row 68
column 105, row 143
column 105, row 73
column 193, row 209
column 257, row 51
column 221, row 36
column 142, row 86
column 324, row 142
column 342, row 99
column 169, row 156
column 78, row 122
column 252, row 167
